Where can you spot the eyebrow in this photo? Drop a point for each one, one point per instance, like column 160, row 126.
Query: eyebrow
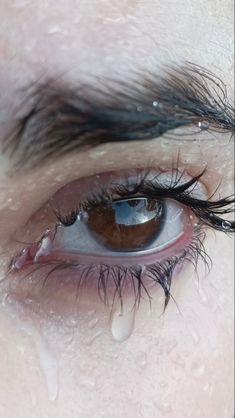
column 62, row 119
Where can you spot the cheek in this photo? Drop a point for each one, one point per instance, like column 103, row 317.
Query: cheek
column 171, row 363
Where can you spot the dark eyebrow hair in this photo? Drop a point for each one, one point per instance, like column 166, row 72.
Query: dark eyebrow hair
column 62, row 119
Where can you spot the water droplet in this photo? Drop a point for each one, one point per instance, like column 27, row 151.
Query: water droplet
column 33, row 398
column 122, row 324
column 165, row 407
column 195, row 337
column 171, row 345
column 141, row 359
column 155, row 103
column 20, row 260
column 88, row 382
column 139, row 108
column 197, row 368
column 95, row 336
column 16, row 206
column 226, row 225
column 44, row 248
column 91, row 312
column 92, row 323
column 54, row 29
column 203, row 125
column 47, row 360
column 202, row 294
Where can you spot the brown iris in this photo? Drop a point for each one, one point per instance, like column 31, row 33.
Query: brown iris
column 128, row 224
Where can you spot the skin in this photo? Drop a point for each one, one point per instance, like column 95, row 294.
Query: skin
column 54, row 361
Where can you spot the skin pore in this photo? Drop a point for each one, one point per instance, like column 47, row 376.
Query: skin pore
column 58, row 360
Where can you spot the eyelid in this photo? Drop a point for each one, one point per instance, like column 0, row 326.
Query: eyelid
column 70, row 195
column 160, row 272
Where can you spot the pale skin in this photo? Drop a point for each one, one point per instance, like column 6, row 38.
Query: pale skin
column 54, row 361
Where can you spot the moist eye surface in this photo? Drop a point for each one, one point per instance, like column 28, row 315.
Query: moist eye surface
column 127, row 225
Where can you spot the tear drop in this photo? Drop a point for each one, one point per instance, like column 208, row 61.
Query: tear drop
column 44, row 248
column 122, row 324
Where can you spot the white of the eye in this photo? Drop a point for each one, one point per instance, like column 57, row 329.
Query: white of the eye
column 78, row 239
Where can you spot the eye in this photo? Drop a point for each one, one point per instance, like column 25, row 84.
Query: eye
column 123, row 229
column 128, row 224
column 120, row 229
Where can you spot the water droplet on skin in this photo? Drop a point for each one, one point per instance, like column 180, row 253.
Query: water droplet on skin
column 141, row 359
column 20, row 260
column 91, row 312
column 195, row 337
column 165, row 407
column 155, row 103
column 3, row 200
column 171, row 345
column 33, row 398
column 92, row 323
column 94, row 337
column 226, row 225
column 203, row 125
column 202, row 295
column 16, row 206
column 197, row 368
column 54, row 29
column 122, row 324
column 87, row 382
column 47, row 360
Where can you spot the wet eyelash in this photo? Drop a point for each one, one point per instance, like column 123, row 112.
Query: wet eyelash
column 159, row 273
column 206, row 211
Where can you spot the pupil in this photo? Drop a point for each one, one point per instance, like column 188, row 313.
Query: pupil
column 128, row 224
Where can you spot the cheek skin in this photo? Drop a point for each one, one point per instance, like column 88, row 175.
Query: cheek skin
column 176, row 353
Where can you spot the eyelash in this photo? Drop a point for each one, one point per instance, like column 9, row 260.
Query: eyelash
column 207, row 213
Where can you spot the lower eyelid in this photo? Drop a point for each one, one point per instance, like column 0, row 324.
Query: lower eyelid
column 95, row 282
column 61, row 287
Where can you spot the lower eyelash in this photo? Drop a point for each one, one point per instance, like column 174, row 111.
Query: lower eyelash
column 140, row 278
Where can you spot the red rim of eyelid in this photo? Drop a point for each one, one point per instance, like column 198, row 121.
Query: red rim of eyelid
column 30, row 256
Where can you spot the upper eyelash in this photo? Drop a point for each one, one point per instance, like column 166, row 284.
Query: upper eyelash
column 160, row 272
column 205, row 210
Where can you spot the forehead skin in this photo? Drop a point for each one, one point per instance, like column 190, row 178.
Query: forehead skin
column 169, row 368
column 77, row 38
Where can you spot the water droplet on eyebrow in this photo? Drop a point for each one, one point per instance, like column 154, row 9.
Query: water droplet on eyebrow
column 226, row 225
column 155, row 103
column 203, row 125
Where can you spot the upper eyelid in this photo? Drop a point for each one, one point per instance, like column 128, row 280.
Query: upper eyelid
column 123, row 112
column 181, row 190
